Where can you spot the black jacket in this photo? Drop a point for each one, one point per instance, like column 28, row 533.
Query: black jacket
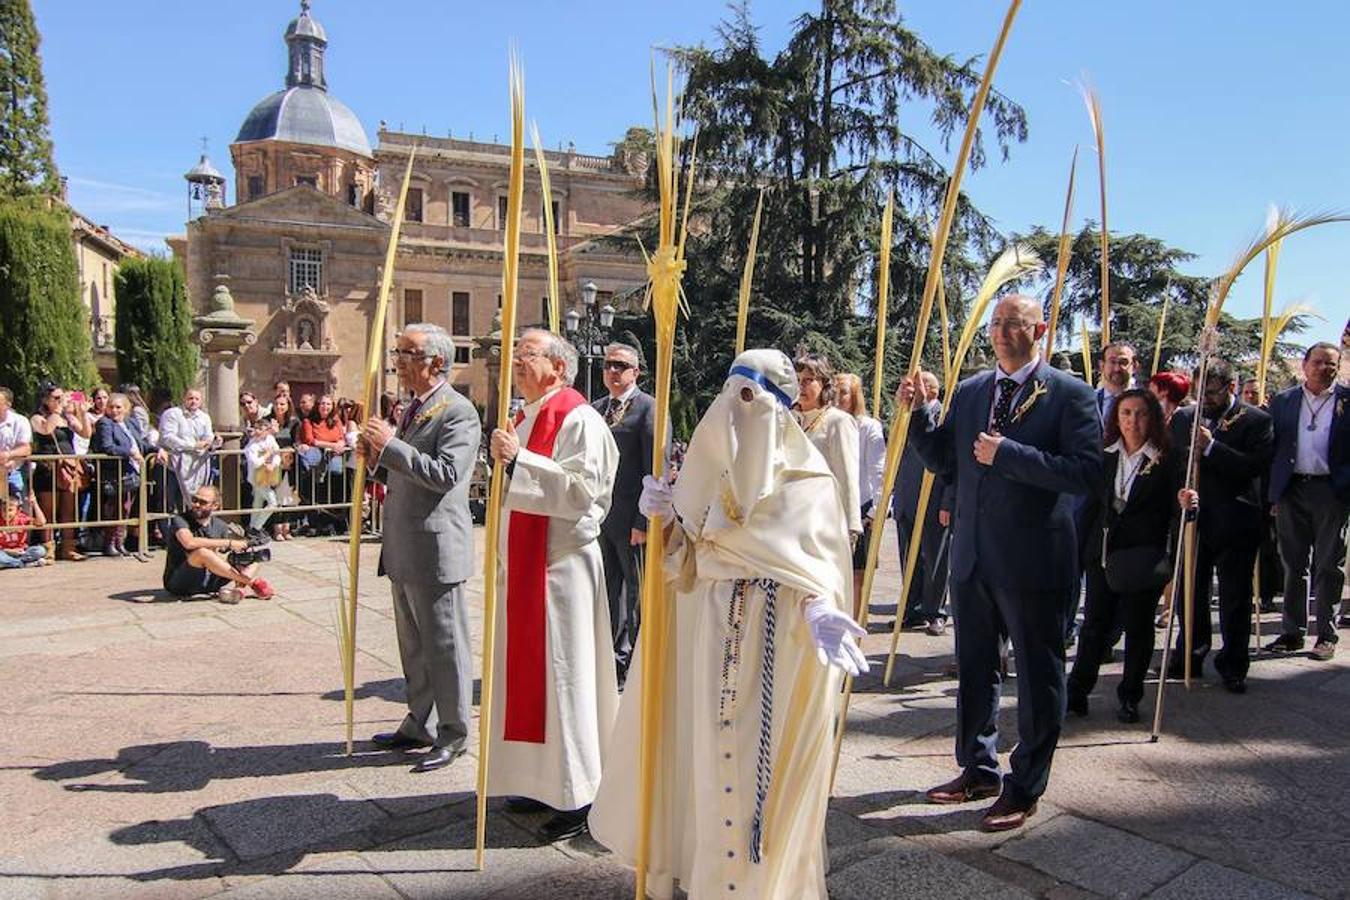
column 1149, row 514
column 633, row 432
column 1229, row 477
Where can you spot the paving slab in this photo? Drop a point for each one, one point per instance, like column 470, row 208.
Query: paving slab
column 1105, row 860
column 1210, row 881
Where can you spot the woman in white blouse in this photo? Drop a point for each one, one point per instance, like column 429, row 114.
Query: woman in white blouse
column 849, row 397
column 833, row 431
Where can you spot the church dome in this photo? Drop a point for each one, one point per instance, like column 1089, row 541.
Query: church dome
column 305, row 115
column 304, row 112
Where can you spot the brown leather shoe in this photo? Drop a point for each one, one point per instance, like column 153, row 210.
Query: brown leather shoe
column 1007, row 814
column 964, row 788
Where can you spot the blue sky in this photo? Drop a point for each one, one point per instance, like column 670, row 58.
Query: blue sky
column 1213, row 109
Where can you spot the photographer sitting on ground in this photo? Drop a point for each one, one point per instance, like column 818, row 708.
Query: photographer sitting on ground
column 194, row 563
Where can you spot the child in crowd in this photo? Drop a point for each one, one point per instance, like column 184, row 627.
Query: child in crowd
column 14, row 550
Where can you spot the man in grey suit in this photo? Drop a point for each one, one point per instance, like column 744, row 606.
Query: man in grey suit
column 630, row 414
column 426, row 464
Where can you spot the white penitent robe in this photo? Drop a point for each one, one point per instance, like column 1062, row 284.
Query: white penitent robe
column 573, row 489
column 710, row 774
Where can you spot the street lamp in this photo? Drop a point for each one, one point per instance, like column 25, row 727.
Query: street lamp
column 589, row 330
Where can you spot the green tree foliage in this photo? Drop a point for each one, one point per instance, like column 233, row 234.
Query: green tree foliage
column 1143, row 271
column 44, row 329
column 818, row 125
column 26, row 165
column 154, row 326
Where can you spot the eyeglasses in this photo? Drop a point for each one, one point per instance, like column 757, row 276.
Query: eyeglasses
column 526, row 355
column 618, row 365
column 400, row 353
column 1008, row 324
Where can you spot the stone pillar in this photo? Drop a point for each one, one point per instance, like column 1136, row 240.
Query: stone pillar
column 488, row 348
column 223, row 335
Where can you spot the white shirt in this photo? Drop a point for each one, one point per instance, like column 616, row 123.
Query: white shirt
column 14, row 431
column 1129, row 467
column 1020, row 376
column 1314, row 437
column 872, row 459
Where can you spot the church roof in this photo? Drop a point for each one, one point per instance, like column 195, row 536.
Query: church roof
column 305, row 115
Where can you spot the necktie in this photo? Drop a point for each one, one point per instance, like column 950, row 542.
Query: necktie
column 1003, row 406
column 411, row 411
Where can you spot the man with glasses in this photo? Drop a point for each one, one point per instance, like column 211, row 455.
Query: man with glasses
column 196, row 560
column 630, row 413
column 553, row 654
column 426, row 464
column 1017, row 444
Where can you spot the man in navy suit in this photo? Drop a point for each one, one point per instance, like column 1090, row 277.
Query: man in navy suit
column 1232, row 453
column 1310, row 487
column 1018, row 444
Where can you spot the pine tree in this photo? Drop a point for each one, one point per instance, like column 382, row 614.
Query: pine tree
column 44, row 328
column 26, row 163
column 154, row 326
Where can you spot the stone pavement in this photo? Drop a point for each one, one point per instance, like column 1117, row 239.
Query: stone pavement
column 155, row 748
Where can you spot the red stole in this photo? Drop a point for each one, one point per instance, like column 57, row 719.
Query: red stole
column 526, row 589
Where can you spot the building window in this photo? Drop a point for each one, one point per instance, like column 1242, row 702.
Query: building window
column 311, row 180
column 462, row 355
column 557, row 223
column 501, row 213
column 353, row 195
column 306, row 270
column 543, row 310
column 459, row 207
column 459, row 314
column 256, row 186
column 412, row 305
column 413, row 208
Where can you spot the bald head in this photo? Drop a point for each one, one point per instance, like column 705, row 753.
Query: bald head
column 1015, row 329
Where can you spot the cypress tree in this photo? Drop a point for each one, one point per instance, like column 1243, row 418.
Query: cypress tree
column 44, row 328
column 26, row 163
column 154, row 326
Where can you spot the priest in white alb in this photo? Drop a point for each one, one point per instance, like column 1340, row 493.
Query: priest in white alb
column 760, row 575
column 553, row 663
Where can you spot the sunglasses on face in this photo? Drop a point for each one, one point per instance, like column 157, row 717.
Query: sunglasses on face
column 618, row 365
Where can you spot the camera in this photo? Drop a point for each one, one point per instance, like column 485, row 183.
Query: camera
column 257, row 551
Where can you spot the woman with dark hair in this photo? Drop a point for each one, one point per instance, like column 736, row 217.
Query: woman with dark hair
column 833, row 431
column 325, row 483
column 57, row 483
column 1127, row 555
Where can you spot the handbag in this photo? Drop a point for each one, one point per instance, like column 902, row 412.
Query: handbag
column 130, row 483
column 1137, row 570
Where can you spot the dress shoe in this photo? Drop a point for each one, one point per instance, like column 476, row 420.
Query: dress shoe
column 1128, row 712
column 396, row 740
column 1007, row 814
column 437, row 758
column 964, row 788
column 110, row 549
column 526, row 805
column 1285, row 643
column 565, row 825
column 1235, row 685
column 1177, row 672
column 1077, row 705
column 1343, row 621
column 1323, row 651
column 937, row 627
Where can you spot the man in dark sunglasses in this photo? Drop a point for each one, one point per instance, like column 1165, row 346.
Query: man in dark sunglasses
column 197, row 558
column 630, row 413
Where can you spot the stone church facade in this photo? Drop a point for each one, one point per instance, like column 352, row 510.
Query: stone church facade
column 303, row 246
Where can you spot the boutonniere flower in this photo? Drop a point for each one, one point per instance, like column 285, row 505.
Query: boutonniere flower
column 1225, row 423
column 1149, row 468
column 426, row 414
column 1340, row 407
column 1038, row 390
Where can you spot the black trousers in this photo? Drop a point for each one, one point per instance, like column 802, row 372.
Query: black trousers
column 1234, row 564
column 928, row 584
column 1103, row 610
column 623, row 585
column 1312, row 523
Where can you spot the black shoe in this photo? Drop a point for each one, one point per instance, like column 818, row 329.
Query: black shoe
column 565, row 825
column 1285, row 643
column 1177, row 671
column 396, row 740
column 1267, row 606
column 1235, row 685
column 1343, row 621
column 437, row 758
column 1077, row 705
column 1128, row 712
column 525, row 805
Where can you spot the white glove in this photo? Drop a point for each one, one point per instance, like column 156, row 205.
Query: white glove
column 835, row 634
column 656, row 498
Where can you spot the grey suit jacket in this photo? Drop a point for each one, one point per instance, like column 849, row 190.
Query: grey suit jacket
column 428, row 532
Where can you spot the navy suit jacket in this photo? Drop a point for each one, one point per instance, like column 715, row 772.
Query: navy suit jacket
column 1284, row 411
column 110, row 440
column 1013, row 520
column 633, row 435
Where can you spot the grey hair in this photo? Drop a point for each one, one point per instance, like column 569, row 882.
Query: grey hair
column 556, row 348
column 438, row 342
column 626, row 348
